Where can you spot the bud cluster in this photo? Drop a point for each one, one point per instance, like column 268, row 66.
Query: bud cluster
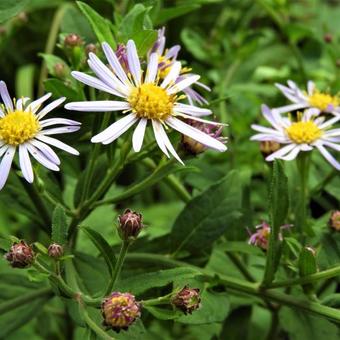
column 20, row 255
column 187, row 300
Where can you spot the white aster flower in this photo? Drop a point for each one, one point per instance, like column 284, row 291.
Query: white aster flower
column 313, row 98
column 303, row 135
column 22, row 127
column 145, row 98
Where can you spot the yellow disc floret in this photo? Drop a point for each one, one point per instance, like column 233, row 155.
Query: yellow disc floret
column 151, row 101
column 303, row 132
column 323, row 101
column 18, row 126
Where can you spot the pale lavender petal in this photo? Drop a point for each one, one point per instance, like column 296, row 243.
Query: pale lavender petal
column 209, row 122
column 25, row 163
column 332, row 133
column 3, row 148
column 260, row 128
column 183, row 84
column 289, row 108
column 138, row 135
column 195, row 134
column 58, row 144
column 331, row 145
column 98, row 106
column 2, row 114
column 329, row 122
column 48, row 108
column 192, row 110
column 46, row 150
column 328, row 157
column 292, row 154
column 269, row 137
column 281, row 152
column 115, row 130
column 58, row 130
column 57, row 121
column 5, row 165
column 41, row 158
column 173, row 74
column 152, row 69
column 133, row 60
column 158, row 135
column 172, row 52
column 35, row 105
column 20, row 103
column 6, row 99
column 310, row 87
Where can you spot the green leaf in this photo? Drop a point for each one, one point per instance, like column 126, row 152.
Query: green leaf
column 51, row 60
column 167, row 14
column 144, row 40
column 307, row 266
column 59, row 89
column 59, row 225
column 104, row 248
column 101, row 26
column 10, row 8
column 278, row 210
column 209, row 215
column 24, row 81
column 140, row 283
column 162, row 313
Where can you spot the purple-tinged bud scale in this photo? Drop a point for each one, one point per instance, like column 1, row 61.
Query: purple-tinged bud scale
column 20, row 255
column 55, row 250
column 334, row 221
column 130, row 225
column 187, row 300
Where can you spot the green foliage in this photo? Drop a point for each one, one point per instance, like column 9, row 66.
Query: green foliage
column 59, row 225
column 10, row 8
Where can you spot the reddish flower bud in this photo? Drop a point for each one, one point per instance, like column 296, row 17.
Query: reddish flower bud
column 328, row 37
column 73, row 40
column 334, row 221
column 55, row 250
column 20, row 255
column 91, row 48
column 120, row 310
column 187, row 300
column 130, row 225
column 59, row 70
column 268, row 147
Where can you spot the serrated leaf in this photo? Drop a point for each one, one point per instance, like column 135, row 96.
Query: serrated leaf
column 59, row 225
column 100, row 25
column 140, row 283
column 105, row 249
column 208, row 215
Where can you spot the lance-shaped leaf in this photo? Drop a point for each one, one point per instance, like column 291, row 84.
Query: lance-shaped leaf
column 59, row 225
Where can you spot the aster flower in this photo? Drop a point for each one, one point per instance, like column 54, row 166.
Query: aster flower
column 313, row 98
column 145, row 98
column 305, row 134
column 166, row 58
column 22, row 127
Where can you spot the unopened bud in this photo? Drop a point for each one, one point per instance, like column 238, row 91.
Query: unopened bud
column 334, row 221
column 55, row 250
column 20, row 255
column 59, row 70
column 22, row 17
column 328, row 37
column 73, row 40
column 267, row 147
column 130, row 225
column 120, row 310
column 187, row 300
column 91, row 48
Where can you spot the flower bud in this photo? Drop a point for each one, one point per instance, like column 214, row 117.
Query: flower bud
column 187, row 300
column 120, row 310
column 328, row 38
column 130, row 225
column 73, row 40
column 20, row 255
column 91, row 48
column 334, row 221
column 267, row 147
column 59, row 70
column 55, row 250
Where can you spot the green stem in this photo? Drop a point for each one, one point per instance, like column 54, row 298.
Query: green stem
column 162, row 300
column 241, row 267
column 326, row 274
column 118, row 267
column 51, row 41
column 9, row 305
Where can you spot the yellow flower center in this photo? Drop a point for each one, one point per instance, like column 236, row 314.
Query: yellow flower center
column 323, row 100
column 151, row 101
column 303, row 132
column 17, row 127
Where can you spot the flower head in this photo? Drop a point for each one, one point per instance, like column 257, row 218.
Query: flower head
column 22, row 127
column 55, row 250
column 305, row 134
column 130, row 224
column 187, row 300
column 313, row 98
column 120, row 310
column 334, row 221
column 146, row 98
column 20, row 255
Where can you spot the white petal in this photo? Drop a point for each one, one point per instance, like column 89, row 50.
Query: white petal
column 173, row 74
column 94, row 82
column 192, row 110
column 328, row 157
column 98, row 106
column 41, row 158
column 260, row 128
column 58, row 144
column 58, row 130
column 138, row 135
column 133, row 60
column 196, row 134
column 168, row 144
column 209, row 122
column 115, row 64
column 183, row 84
column 35, row 105
column 46, row 150
column 281, row 152
column 329, row 122
column 25, row 163
column 2, row 114
column 289, row 108
column 48, row 108
column 332, row 133
column 3, row 148
column 6, row 99
column 159, row 137
column 152, row 69
column 115, row 130
column 20, row 104
column 269, row 137
column 331, row 145
column 292, row 154
column 310, row 87
column 5, row 165
column 57, row 121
